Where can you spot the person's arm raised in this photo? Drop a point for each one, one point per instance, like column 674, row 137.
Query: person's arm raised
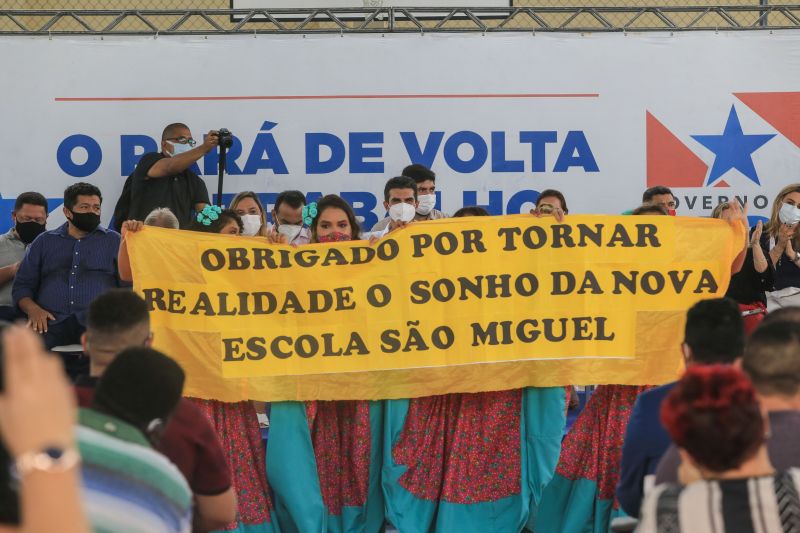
column 759, row 259
column 123, row 260
column 37, row 413
column 735, row 214
column 169, row 166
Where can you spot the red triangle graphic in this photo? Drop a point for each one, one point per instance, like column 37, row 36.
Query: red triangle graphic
column 669, row 161
column 781, row 110
column 721, row 183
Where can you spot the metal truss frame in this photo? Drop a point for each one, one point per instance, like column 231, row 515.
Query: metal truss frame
column 396, row 20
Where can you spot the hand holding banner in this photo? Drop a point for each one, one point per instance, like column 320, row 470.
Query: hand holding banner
column 454, row 305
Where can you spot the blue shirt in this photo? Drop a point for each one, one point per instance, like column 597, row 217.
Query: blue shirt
column 646, row 440
column 63, row 274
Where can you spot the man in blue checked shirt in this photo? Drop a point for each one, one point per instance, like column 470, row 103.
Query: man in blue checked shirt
column 66, row 268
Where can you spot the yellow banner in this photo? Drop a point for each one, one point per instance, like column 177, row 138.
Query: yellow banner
column 453, row 305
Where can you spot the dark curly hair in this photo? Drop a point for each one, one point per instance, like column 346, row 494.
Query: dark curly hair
column 714, row 415
column 72, row 192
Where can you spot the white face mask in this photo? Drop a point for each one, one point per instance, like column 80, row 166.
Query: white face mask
column 426, row 203
column 291, row 231
column 252, row 223
column 404, row 212
column 789, row 214
column 178, row 148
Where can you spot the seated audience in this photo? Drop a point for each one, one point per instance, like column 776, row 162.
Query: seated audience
column 714, row 417
column 772, row 360
column 117, row 320
column 66, row 268
column 714, row 334
column 30, row 220
column 128, row 486
column 782, row 314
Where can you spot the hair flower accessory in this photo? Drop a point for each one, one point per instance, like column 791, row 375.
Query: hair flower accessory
column 209, row 214
column 309, row 213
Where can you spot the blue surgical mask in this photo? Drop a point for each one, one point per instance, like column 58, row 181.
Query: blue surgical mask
column 179, row 148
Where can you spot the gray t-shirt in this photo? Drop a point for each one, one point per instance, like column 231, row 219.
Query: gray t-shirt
column 12, row 250
column 783, row 446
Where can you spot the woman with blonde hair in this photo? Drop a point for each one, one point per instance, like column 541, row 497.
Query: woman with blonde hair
column 781, row 242
column 248, row 206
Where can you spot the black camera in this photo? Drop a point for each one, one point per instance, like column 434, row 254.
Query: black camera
column 225, row 138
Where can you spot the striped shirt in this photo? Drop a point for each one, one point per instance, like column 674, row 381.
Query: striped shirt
column 127, row 486
column 768, row 504
column 63, row 274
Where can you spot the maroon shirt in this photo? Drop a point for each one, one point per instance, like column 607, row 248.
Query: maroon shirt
column 188, row 441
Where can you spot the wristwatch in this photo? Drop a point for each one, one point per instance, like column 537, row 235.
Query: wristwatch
column 50, row 459
column 796, row 257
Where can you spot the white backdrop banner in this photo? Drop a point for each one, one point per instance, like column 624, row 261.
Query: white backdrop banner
column 498, row 117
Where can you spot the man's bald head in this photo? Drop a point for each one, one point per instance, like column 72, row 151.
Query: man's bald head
column 176, row 129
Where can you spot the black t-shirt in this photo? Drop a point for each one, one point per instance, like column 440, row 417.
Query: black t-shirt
column 179, row 192
column 748, row 285
column 787, row 273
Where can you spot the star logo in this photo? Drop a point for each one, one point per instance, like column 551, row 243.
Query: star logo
column 733, row 149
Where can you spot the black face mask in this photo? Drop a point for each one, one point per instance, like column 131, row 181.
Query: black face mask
column 87, row 222
column 28, row 231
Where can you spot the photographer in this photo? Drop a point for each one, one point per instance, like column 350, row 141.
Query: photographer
column 164, row 179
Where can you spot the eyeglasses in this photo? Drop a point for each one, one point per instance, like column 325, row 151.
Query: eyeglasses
column 183, row 140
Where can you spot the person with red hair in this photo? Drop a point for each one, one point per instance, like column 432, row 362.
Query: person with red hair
column 714, row 418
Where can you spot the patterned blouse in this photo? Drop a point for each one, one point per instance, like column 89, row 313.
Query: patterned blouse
column 768, row 504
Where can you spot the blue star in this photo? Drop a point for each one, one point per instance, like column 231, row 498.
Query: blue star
column 733, row 149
